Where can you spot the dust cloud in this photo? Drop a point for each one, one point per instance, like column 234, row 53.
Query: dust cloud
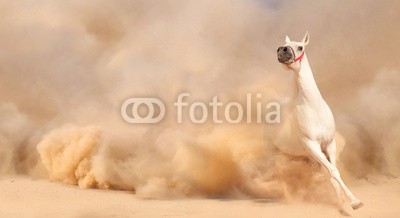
column 66, row 68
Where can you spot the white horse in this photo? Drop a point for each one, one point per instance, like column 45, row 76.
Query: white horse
column 308, row 128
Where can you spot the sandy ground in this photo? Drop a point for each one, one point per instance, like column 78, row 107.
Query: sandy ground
column 25, row 197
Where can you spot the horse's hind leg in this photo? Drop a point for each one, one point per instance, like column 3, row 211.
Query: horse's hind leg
column 331, row 152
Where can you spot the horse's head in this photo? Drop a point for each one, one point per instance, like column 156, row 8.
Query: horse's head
column 292, row 53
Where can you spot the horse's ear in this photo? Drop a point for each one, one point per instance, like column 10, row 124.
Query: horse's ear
column 306, row 38
column 287, row 39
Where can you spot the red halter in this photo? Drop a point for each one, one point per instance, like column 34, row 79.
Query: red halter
column 299, row 58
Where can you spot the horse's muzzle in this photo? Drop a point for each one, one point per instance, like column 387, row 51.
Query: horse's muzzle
column 285, row 54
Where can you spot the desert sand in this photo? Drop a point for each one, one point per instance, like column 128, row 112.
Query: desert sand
column 26, row 197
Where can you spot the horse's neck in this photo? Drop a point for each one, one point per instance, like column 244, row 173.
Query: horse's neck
column 306, row 90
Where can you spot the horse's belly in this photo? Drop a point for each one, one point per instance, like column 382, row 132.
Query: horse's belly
column 284, row 139
column 291, row 147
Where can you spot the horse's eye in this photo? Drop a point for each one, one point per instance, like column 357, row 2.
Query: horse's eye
column 300, row 48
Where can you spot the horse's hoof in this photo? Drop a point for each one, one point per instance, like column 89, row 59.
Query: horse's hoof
column 357, row 205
